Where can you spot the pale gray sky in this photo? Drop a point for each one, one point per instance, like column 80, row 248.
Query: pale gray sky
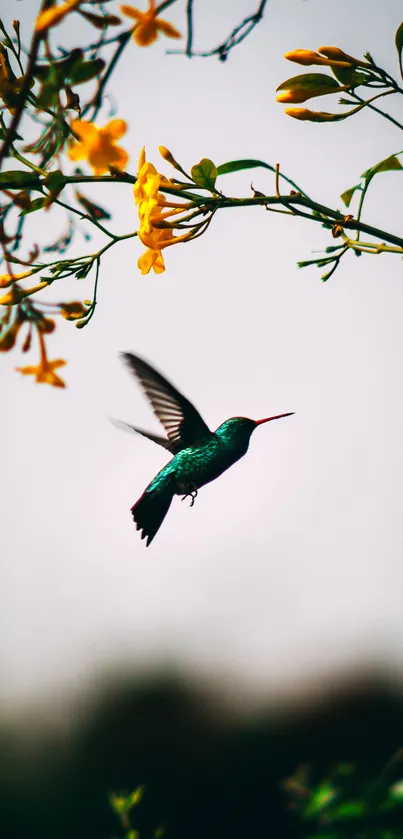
column 289, row 567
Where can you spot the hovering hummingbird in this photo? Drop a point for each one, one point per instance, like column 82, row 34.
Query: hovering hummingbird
column 199, row 455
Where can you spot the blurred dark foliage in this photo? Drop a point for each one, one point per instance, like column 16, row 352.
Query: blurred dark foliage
column 207, row 772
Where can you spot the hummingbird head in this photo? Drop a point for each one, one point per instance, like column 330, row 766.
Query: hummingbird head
column 238, row 430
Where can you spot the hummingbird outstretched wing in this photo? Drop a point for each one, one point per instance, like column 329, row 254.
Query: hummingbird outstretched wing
column 182, row 422
column 161, row 441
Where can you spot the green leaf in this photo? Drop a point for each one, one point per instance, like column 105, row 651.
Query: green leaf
column 58, row 71
column 70, row 70
column 399, row 46
column 86, row 70
column 55, row 181
column 396, row 791
column 321, row 799
column 309, row 82
column 351, row 77
column 48, row 95
column 19, row 179
column 37, row 204
column 238, row 165
column 204, row 174
column 384, row 166
column 347, row 195
column 347, row 810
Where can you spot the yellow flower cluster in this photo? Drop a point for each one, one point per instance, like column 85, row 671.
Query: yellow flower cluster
column 153, row 209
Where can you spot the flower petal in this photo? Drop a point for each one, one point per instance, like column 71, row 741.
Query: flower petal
column 145, row 261
column 77, row 151
column 167, row 28
column 104, row 156
column 142, row 158
column 120, row 157
column 115, row 129
column 53, row 16
column 86, row 131
column 159, row 264
column 131, row 11
column 27, row 371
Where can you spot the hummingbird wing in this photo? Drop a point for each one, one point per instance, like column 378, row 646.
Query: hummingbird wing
column 161, row 441
column 183, row 424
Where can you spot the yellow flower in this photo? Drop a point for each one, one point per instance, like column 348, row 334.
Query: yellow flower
column 53, row 16
column 148, row 25
column 44, row 371
column 97, row 145
column 151, row 204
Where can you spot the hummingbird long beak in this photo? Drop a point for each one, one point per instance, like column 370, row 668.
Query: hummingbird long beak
column 279, row 416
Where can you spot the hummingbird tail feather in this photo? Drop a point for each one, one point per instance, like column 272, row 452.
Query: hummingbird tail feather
column 150, row 510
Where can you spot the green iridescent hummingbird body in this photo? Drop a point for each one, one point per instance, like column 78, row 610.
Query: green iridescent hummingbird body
column 199, row 455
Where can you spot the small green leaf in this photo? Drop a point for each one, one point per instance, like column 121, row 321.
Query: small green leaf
column 135, row 797
column 204, row 174
column 384, row 166
column 238, row 165
column 86, row 70
column 48, row 95
column 399, row 46
column 37, row 204
column 321, row 799
column 352, row 77
column 396, row 791
column 94, row 210
column 19, row 179
column 310, row 82
column 55, row 181
column 347, row 810
column 347, row 195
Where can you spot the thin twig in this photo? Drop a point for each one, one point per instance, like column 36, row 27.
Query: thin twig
column 189, row 23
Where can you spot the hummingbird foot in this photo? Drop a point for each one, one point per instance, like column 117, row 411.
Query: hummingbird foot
column 191, row 493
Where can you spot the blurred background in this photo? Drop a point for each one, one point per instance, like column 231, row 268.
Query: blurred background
column 263, row 628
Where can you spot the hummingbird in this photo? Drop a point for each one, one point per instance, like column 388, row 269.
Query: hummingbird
column 199, row 455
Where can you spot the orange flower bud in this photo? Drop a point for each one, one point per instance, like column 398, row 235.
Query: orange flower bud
column 313, row 116
column 8, row 279
column 308, row 57
column 336, row 54
column 12, row 297
column 166, row 154
column 72, row 311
